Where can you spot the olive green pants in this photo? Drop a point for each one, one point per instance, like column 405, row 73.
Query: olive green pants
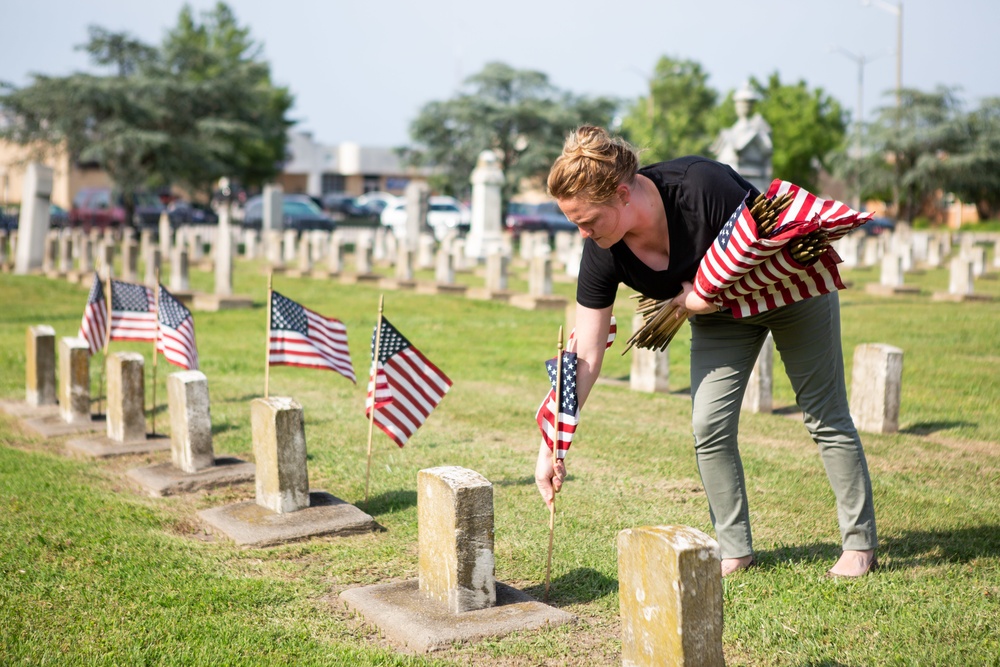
column 723, row 352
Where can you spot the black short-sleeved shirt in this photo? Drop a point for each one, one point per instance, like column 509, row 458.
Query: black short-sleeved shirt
column 699, row 195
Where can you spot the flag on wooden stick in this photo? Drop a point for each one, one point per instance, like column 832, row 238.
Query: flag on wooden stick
column 404, row 387
column 566, row 400
column 133, row 312
column 302, row 337
column 94, row 326
column 176, row 334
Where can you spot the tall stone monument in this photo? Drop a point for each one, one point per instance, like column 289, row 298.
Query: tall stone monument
column 486, row 230
column 746, row 146
column 33, row 224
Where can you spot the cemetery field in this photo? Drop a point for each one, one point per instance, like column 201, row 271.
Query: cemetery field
column 93, row 572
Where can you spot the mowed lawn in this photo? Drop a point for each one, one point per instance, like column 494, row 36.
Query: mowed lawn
column 92, row 572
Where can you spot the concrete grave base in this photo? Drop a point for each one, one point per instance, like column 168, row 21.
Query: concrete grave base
column 252, row 525
column 528, row 302
column 891, row 290
column 53, row 426
column 960, row 298
column 324, row 274
column 77, row 277
column 483, row 294
column 419, row 624
column 441, row 288
column 396, row 283
column 298, row 273
column 186, row 297
column 165, row 479
column 216, row 302
column 24, row 410
column 360, row 278
column 105, row 448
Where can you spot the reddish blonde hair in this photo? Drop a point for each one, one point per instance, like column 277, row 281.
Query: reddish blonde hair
column 592, row 165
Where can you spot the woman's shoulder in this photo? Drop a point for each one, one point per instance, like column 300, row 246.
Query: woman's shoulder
column 684, row 169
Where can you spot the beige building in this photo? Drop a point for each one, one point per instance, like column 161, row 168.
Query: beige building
column 67, row 178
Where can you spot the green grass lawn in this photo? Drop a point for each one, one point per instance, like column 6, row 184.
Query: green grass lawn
column 92, row 572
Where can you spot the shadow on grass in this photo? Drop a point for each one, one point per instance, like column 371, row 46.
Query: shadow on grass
column 583, row 584
column 391, row 501
column 926, row 428
column 909, row 549
column 515, row 481
column 218, row 428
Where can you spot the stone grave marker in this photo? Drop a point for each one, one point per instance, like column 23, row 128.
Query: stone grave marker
column 456, row 597
column 876, row 386
column 670, row 595
column 650, row 370
column 72, row 416
column 33, row 222
column 40, row 366
column 759, row 393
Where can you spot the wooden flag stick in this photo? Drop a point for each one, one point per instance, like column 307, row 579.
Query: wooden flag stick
column 267, row 336
column 555, row 459
column 372, row 379
column 107, row 336
column 156, row 296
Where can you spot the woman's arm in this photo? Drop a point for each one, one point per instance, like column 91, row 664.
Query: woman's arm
column 589, row 342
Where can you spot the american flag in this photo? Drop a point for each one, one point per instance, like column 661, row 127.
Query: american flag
column 94, row 327
column 569, row 414
column 301, row 337
column 749, row 274
column 176, row 337
column 569, row 407
column 403, row 385
column 133, row 312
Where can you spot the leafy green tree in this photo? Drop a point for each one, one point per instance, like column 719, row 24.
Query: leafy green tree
column 973, row 171
column 806, row 126
column 676, row 117
column 200, row 107
column 518, row 114
column 908, row 145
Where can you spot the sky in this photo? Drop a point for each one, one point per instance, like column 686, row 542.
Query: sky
column 361, row 70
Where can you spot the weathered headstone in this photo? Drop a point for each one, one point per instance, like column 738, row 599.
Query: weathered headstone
column 271, row 214
column 455, row 538
column 130, row 261
column 179, row 274
column 540, row 275
column 40, row 365
column 961, row 276
column 670, row 595
column 444, row 268
column 65, row 252
column 279, row 447
column 486, row 228
column 106, row 259
column 74, row 380
column 650, row 370
column 417, row 195
column 126, row 397
column 335, row 254
column 153, row 260
column 759, row 391
column 50, row 255
column 876, row 386
column 190, row 421
column 425, row 251
column 289, row 244
column 165, row 234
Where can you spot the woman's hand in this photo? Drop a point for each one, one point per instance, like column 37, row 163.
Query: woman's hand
column 689, row 301
column 549, row 478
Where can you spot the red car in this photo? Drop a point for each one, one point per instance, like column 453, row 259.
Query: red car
column 102, row 208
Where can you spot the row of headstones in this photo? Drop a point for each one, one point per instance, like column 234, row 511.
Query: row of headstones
column 876, row 381
column 669, row 575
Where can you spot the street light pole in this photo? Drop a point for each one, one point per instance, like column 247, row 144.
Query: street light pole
column 861, row 61
column 897, row 10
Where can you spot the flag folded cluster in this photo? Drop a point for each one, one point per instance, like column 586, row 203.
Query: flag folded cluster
column 749, row 274
column 302, row 337
column 563, row 400
column 404, row 387
column 135, row 317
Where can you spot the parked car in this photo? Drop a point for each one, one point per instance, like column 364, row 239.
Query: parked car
column 375, row 201
column 342, row 205
column 183, row 212
column 299, row 212
column 443, row 215
column 543, row 217
column 877, row 226
column 103, row 207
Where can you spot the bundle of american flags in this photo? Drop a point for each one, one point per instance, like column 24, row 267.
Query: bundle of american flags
column 565, row 397
column 403, row 386
column 135, row 317
column 751, row 273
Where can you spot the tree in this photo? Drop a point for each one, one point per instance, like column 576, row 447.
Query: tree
column 806, row 126
column 676, row 118
column 200, row 107
column 973, row 171
column 909, row 144
column 518, row 114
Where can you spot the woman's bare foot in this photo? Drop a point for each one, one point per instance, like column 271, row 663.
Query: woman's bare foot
column 854, row 564
column 730, row 565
